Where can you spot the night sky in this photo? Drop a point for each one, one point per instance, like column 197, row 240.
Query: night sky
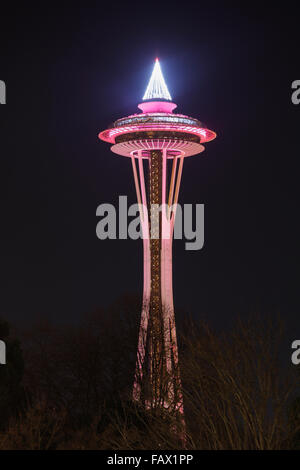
column 69, row 73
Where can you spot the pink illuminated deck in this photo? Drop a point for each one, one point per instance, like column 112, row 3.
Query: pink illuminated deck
column 205, row 135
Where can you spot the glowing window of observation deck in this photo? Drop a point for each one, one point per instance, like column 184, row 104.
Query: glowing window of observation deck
column 154, row 119
column 123, row 130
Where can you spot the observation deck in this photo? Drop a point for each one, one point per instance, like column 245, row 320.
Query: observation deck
column 180, row 134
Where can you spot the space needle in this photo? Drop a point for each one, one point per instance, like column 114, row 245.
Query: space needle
column 157, row 141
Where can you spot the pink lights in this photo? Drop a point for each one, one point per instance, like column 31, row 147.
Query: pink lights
column 205, row 135
column 174, row 148
column 157, row 107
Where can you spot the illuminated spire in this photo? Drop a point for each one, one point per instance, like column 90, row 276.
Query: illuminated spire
column 157, row 87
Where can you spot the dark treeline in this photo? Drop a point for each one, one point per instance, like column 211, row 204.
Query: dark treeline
column 69, row 387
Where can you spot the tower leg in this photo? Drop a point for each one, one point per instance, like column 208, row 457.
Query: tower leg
column 142, row 340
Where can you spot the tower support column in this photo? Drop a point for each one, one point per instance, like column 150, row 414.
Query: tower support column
column 157, row 380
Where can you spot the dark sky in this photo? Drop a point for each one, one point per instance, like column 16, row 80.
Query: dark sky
column 69, row 72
